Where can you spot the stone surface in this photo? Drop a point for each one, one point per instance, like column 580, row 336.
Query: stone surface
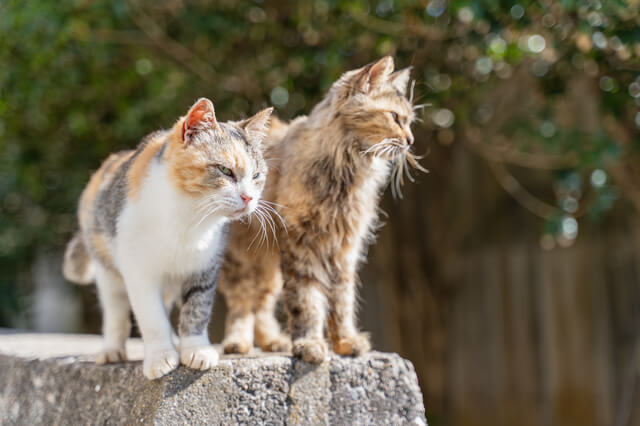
column 51, row 379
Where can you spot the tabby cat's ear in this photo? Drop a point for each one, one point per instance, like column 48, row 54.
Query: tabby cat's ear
column 200, row 117
column 256, row 126
column 400, row 79
column 373, row 75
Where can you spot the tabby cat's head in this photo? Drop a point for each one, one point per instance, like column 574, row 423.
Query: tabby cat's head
column 220, row 163
column 374, row 106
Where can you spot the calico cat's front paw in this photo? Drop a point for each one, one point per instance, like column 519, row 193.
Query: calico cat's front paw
column 109, row 356
column 236, row 346
column 157, row 364
column 352, row 346
column 199, row 357
column 310, row 350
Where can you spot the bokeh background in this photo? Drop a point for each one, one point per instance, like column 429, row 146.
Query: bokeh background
column 508, row 275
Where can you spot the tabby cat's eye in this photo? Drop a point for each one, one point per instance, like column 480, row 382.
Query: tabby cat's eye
column 256, row 176
column 396, row 118
column 226, row 171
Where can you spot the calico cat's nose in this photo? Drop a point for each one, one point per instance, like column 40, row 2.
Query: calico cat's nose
column 246, row 199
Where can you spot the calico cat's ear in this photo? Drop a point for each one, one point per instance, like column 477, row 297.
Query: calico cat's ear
column 373, row 75
column 400, row 79
column 200, row 117
column 256, row 126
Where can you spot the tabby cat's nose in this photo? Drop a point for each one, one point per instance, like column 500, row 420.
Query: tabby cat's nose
column 246, row 199
column 410, row 139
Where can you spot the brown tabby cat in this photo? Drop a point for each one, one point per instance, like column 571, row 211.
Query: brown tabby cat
column 329, row 171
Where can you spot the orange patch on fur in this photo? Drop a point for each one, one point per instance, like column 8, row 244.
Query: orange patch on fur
column 140, row 166
column 186, row 166
column 236, row 159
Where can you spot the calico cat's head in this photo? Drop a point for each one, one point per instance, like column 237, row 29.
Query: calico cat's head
column 373, row 106
column 219, row 163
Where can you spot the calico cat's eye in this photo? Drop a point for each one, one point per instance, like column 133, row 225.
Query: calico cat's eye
column 256, row 176
column 225, row 171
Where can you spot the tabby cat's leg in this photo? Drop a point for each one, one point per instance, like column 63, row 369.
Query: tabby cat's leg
column 198, row 292
column 116, row 323
column 238, row 333
column 267, row 330
column 306, row 305
column 237, row 285
column 343, row 332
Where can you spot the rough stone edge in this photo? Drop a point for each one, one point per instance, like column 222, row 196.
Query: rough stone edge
column 143, row 399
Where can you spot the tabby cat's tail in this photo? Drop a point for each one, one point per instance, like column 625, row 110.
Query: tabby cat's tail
column 77, row 266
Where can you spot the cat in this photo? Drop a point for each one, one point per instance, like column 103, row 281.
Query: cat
column 153, row 226
column 328, row 174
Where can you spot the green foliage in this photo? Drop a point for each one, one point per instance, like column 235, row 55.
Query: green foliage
column 81, row 79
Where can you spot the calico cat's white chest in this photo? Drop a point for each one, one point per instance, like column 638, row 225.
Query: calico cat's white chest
column 161, row 231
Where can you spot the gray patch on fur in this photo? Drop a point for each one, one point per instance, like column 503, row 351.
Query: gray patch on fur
column 111, row 200
column 235, row 133
column 161, row 151
column 198, row 292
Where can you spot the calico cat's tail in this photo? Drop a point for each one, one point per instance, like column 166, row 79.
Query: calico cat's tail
column 77, row 266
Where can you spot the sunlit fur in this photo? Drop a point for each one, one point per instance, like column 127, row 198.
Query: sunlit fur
column 153, row 225
column 326, row 175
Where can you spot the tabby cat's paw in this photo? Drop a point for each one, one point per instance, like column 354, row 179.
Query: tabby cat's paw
column 232, row 346
column 281, row 343
column 310, row 350
column 352, row 346
column 159, row 363
column 199, row 357
column 109, row 356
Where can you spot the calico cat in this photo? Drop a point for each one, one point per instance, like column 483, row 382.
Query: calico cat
column 153, row 226
column 329, row 170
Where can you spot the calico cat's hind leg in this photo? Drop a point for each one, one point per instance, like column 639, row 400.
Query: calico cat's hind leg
column 116, row 322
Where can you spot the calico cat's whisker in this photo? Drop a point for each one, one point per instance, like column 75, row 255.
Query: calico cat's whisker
column 271, row 224
column 273, row 204
column 204, row 203
column 263, row 219
column 275, row 212
column 262, row 233
column 257, row 234
column 204, row 211
column 212, row 211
